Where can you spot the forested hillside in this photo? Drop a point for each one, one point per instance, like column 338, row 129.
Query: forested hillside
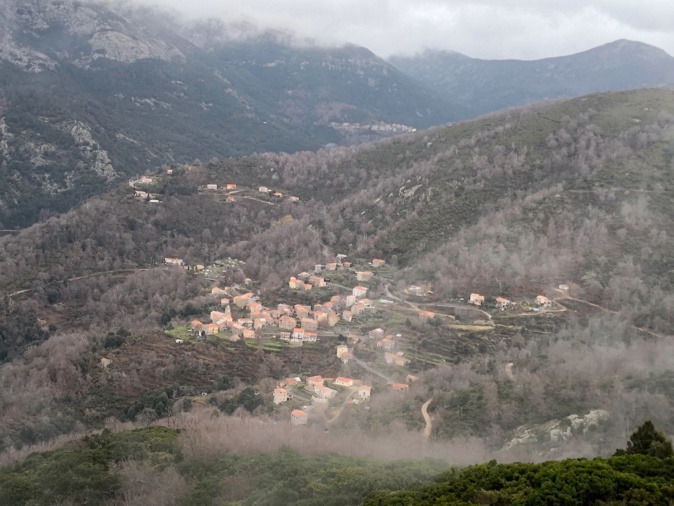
column 572, row 193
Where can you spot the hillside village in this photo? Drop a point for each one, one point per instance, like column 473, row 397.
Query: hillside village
column 349, row 323
column 143, row 186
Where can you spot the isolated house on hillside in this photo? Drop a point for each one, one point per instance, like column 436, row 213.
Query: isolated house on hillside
column 502, row 303
column 174, row 261
column 211, row 186
column 426, row 315
column 378, row 262
column 231, row 186
column 476, row 299
column 400, row 387
column 364, row 392
column 542, row 300
column 299, row 417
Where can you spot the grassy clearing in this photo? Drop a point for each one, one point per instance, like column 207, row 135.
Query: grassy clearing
column 183, row 332
column 471, row 328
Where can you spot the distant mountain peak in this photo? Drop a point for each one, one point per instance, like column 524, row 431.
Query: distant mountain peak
column 484, row 86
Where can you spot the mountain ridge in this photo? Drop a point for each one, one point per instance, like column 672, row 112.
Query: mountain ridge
column 491, row 85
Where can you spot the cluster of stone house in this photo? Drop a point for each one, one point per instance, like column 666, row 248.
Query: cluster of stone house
column 502, row 303
column 321, row 393
column 297, row 324
column 261, row 189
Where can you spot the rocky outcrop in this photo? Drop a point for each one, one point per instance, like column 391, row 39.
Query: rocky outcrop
column 558, row 431
column 95, row 33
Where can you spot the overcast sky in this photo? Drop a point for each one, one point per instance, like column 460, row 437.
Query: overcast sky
column 522, row 29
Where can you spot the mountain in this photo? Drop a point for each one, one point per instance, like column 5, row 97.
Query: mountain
column 482, row 86
column 91, row 93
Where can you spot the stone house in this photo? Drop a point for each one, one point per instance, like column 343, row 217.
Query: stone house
column 376, row 334
column 325, row 392
column 341, row 349
column 298, row 417
column 359, row 291
column 542, row 300
column 426, row 315
column 280, row 395
column 287, row 322
column 364, row 276
column 502, row 303
column 309, row 324
column 364, row 392
column 313, row 381
column 333, row 318
column 400, row 387
column 210, row 328
column 344, row 382
column 476, row 299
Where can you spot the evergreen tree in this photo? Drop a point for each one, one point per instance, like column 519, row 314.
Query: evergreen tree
column 648, row 441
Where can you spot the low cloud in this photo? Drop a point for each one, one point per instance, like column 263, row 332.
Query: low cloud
column 522, row 29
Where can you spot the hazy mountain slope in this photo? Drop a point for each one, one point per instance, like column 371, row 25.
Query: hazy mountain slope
column 489, row 85
column 89, row 95
column 331, row 86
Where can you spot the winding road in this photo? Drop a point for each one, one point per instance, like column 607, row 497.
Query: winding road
column 427, row 418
